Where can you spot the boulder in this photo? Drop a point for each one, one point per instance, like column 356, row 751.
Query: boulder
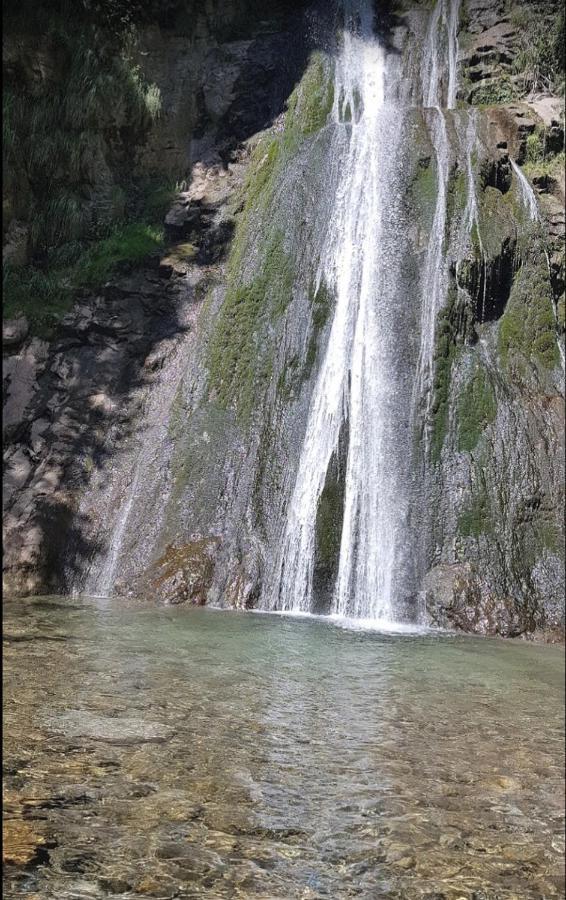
column 14, row 332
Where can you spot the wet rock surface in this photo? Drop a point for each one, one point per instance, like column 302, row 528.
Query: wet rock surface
column 78, row 412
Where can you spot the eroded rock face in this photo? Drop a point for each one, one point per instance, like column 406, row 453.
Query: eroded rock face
column 457, row 598
column 184, row 574
column 65, row 407
column 76, row 411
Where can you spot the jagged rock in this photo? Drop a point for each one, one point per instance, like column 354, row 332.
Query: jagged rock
column 484, row 14
column 184, row 574
column 14, row 332
column 17, row 471
column 20, row 381
column 16, row 242
column 243, row 587
column 177, row 260
column 456, row 598
column 22, row 844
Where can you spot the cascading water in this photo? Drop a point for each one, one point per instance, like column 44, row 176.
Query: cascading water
column 362, row 387
column 442, row 30
column 527, row 193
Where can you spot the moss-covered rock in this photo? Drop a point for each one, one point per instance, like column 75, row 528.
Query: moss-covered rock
column 476, row 518
column 527, row 331
column 240, row 359
column 477, row 408
column 451, row 329
column 239, row 362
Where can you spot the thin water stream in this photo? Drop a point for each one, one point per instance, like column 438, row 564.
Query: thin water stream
column 174, row 753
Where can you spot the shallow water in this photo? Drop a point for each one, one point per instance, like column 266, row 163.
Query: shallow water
column 197, row 753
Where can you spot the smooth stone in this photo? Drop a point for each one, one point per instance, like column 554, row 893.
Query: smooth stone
column 80, row 723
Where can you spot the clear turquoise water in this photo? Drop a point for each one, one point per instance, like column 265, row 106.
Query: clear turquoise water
column 196, row 753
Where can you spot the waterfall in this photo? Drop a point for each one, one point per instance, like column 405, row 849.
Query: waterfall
column 125, row 499
column 103, row 583
column 442, row 28
column 361, row 388
column 527, row 193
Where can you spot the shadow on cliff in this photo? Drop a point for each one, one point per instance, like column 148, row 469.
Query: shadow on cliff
column 101, row 361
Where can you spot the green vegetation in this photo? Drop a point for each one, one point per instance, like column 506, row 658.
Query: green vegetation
column 457, row 194
column 540, row 161
column 238, row 360
column 294, row 374
column 329, row 517
column 424, row 191
column 476, row 409
column 58, row 140
column 548, row 166
column 540, row 61
column 527, row 329
column 494, row 91
column 445, row 353
column 321, row 306
column 66, row 132
column 44, row 296
column 476, row 519
column 496, row 224
column 310, row 103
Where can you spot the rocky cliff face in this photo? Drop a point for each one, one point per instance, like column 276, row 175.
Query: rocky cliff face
column 151, row 443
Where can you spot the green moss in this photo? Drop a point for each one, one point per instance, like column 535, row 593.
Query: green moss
column 549, row 537
column 294, row 374
column 476, row 519
column 321, row 306
column 445, row 353
column 238, row 361
column 263, row 170
column 310, row 103
column 424, row 190
column 494, row 92
column 329, row 520
column 44, row 296
column 496, row 223
column 476, row 409
column 457, row 194
column 527, row 328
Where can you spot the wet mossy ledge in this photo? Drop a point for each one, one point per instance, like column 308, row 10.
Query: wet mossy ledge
column 477, row 409
column 240, row 356
column 528, row 328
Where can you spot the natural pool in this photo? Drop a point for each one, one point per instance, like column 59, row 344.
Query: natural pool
column 196, row 753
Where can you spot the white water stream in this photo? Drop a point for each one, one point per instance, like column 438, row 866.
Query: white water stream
column 441, row 36
column 527, row 193
column 357, row 385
